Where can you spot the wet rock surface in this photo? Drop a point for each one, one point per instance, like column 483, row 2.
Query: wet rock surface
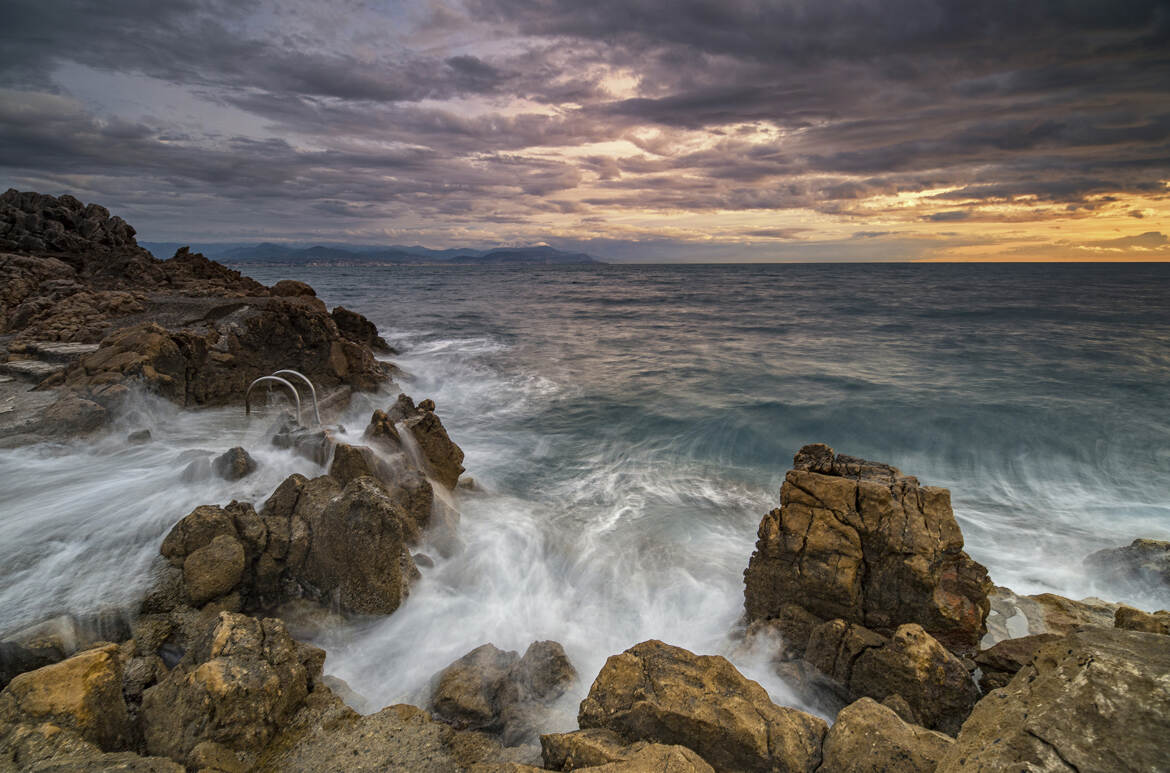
column 860, row 541
column 663, row 694
column 870, row 738
column 501, row 692
column 1093, row 700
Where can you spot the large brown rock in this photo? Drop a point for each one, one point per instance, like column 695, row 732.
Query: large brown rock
column 49, row 748
column 870, row 738
column 500, row 692
column 911, row 664
column 239, row 683
column 662, row 694
column 1136, row 620
column 1094, row 700
column 862, row 542
column 1013, row 616
column 83, row 694
column 214, row 569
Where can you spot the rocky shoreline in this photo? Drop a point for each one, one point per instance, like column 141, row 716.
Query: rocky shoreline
column 859, row 587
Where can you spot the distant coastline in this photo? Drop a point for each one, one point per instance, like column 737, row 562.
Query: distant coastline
column 268, row 252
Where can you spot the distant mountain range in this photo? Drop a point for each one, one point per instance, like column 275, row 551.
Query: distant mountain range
column 366, row 255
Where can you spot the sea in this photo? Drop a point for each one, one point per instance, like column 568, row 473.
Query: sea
column 627, row 426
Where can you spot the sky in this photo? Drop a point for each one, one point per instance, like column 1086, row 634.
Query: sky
column 701, row 130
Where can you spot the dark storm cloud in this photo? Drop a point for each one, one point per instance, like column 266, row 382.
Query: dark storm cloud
column 804, row 104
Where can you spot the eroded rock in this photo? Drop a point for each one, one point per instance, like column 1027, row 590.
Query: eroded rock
column 870, row 738
column 662, row 694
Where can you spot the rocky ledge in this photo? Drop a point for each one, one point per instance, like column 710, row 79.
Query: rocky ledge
column 86, row 315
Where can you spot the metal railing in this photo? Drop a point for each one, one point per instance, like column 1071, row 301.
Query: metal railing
column 296, row 395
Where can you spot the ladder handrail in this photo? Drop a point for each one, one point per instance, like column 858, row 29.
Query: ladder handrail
column 312, row 389
column 296, row 395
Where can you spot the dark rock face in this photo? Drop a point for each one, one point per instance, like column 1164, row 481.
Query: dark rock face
column 243, row 679
column 1093, row 700
column 870, row 738
column 358, row 329
column 427, row 437
column 233, row 464
column 662, row 694
column 1142, row 566
column 862, row 542
column 500, row 692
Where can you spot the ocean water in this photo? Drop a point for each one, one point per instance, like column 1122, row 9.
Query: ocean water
column 628, row 426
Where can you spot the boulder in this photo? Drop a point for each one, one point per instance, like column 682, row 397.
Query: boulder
column 499, row 692
column 233, row 464
column 1142, row 567
column 83, row 694
column 48, row 748
column 291, row 288
column 214, row 569
column 426, row 438
column 1132, row 619
column 662, row 694
column 237, row 686
column 1093, row 700
column 911, row 664
column 870, row 738
column 860, row 541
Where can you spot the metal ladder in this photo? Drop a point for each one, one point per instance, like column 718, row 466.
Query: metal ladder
column 276, row 378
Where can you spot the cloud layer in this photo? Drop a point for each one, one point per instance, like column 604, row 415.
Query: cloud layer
column 880, row 128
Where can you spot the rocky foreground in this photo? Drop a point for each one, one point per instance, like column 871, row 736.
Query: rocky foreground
column 859, row 586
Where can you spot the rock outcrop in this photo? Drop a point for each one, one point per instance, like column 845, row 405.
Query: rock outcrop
column 501, row 692
column 860, row 541
column 662, row 694
column 1132, row 619
column 1001, row 662
column 1013, row 616
column 424, row 436
column 1142, row 567
column 604, row 751
column 1093, row 700
column 188, row 328
column 870, row 738
column 236, row 687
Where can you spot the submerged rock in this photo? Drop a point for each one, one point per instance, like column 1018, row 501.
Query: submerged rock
column 500, row 692
column 1142, row 567
column 1093, row 700
column 233, row 464
column 662, row 694
column 860, row 541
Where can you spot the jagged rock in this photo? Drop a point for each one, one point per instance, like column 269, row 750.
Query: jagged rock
column 233, row 464
column 239, row 683
column 1141, row 567
column 83, row 694
column 1014, row 616
column 862, row 542
column 1093, row 700
column 663, row 694
column 870, row 738
column 358, row 329
column 911, row 664
column 499, row 692
column 1001, row 662
column 439, row 453
column 1132, row 619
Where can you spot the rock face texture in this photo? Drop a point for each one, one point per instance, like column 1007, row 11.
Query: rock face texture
column 500, row 692
column 243, row 679
column 1094, row 700
column 1013, row 616
column 862, row 542
column 870, row 738
column 662, row 694
column 424, row 437
column 1136, row 620
column 604, row 751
